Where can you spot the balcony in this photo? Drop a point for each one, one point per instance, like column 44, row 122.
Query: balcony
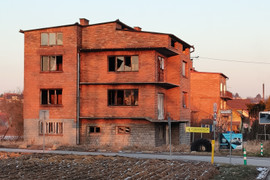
column 227, row 95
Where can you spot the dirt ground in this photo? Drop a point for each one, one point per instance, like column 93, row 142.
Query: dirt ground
column 48, row 166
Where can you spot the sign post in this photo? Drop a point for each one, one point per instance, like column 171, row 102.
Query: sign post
column 229, row 112
column 215, row 118
column 264, row 119
column 214, row 130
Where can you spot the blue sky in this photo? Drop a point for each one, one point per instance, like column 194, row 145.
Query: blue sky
column 229, row 30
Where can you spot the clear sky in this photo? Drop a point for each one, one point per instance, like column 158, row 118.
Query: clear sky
column 227, row 30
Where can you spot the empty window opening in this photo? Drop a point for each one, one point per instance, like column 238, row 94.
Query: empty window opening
column 50, row 39
column 127, row 97
column 123, row 130
column 184, row 69
column 184, row 99
column 51, row 63
column 93, row 129
column 51, row 96
column 160, row 68
column 123, row 63
column 51, row 127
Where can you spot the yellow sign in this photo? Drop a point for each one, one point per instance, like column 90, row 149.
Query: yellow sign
column 198, row 129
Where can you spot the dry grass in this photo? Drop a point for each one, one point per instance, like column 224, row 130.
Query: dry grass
column 254, row 148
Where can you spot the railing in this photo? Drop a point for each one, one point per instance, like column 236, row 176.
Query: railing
column 226, row 95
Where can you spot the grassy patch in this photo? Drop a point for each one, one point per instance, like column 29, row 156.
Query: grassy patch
column 232, row 172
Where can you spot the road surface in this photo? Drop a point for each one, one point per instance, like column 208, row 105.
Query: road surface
column 236, row 160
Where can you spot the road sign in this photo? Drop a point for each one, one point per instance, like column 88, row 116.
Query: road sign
column 215, row 107
column 264, row 117
column 215, row 116
column 226, row 111
column 198, row 129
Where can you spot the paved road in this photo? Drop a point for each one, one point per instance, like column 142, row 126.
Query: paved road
column 254, row 161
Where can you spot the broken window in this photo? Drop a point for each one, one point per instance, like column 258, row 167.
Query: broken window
column 51, row 96
column 49, row 39
column 93, row 129
column 123, row 63
column 160, row 68
column 51, row 63
column 127, row 97
column 184, row 99
column 122, row 130
column 51, row 127
column 184, row 69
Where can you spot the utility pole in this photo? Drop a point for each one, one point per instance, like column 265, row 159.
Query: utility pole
column 170, row 131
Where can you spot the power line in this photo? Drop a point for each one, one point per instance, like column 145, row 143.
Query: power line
column 230, row 60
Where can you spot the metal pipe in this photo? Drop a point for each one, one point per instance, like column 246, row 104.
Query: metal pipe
column 78, row 101
column 43, row 130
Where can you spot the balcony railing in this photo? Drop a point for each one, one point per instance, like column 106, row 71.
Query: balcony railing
column 226, row 95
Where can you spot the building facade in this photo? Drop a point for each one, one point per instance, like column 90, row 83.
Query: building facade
column 105, row 84
column 208, row 89
column 240, row 111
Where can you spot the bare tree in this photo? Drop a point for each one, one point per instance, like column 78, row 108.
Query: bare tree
column 13, row 109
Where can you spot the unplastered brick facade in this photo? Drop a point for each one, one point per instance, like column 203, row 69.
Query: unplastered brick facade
column 105, row 84
column 208, row 89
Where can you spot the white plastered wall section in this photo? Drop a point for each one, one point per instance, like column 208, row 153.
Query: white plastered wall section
column 32, row 134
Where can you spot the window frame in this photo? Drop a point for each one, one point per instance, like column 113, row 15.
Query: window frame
column 185, row 69
column 125, row 100
column 132, row 65
column 124, row 131
column 184, row 100
column 57, row 42
column 95, row 130
column 51, row 128
column 59, row 66
column 57, row 98
column 161, row 68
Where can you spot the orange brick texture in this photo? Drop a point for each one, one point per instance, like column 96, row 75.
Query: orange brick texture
column 205, row 91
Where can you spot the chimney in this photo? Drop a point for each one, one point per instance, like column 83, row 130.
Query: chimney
column 263, row 92
column 137, row 28
column 84, row 22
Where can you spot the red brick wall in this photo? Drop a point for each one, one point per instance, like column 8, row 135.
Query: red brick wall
column 94, row 102
column 205, row 91
column 106, row 36
column 34, row 79
column 94, row 67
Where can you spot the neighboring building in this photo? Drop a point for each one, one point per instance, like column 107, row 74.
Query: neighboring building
column 105, row 84
column 206, row 89
column 9, row 97
column 240, row 113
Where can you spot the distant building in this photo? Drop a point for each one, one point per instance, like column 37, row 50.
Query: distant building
column 240, row 113
column 105, row 84
column 207, row 89
column 9, row 97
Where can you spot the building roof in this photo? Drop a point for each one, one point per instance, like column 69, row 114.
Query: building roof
column 124, row 26
column 194, row 71
column 238, row 104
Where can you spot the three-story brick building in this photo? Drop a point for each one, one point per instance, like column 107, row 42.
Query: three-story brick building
column 105, row 84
